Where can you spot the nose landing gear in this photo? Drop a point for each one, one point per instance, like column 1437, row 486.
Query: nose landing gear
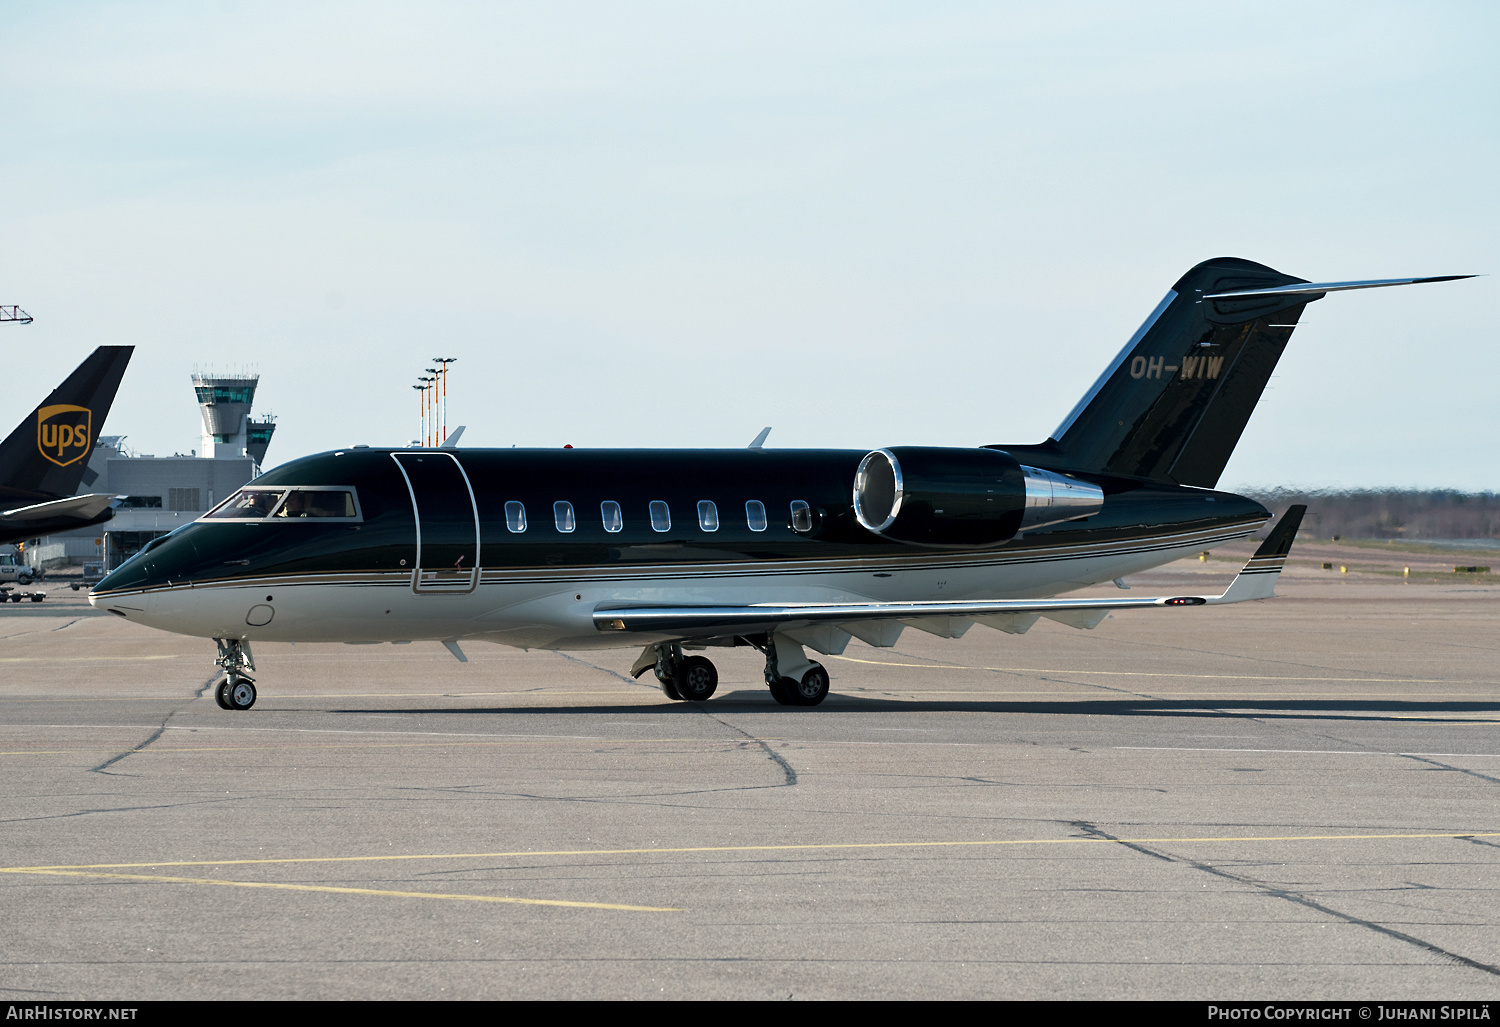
column 237, row 690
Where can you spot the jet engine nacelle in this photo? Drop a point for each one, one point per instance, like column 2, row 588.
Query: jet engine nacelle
column 963, row 497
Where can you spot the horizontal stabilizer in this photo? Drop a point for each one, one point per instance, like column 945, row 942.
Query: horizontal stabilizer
column 85, row 508
column 1323, row 288
column 1175, row 401
column 1257, row 580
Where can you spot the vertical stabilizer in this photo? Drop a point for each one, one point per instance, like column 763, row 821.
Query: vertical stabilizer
column 1175, row 401
column 48, row 452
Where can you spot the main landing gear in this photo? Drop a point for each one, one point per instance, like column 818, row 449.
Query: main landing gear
column 794, row 680
column 237, row 690
column 684, row 678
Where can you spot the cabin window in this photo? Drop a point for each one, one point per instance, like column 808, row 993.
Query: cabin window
column 248, row 504
column 317, row 503
column 708, row 515
column 661, row 517
column 515, row 517
column 801, row 516
column 755, row 515
column 562, row 516
column 609, row 510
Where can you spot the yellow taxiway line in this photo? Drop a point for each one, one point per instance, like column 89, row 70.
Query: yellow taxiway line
column 163, row 879
column 805, row 847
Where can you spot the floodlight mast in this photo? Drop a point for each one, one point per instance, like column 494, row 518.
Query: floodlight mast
column 433, row 406
column 427, row 410
column 443, row 362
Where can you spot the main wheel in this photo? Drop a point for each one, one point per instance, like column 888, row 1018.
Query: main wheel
column 221, row 695
column 782, row 692
column 668, row 686
column 812, row 689
column 241, row 694
column 696, row 679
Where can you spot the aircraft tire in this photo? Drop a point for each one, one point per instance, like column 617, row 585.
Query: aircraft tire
column 812, row 689
column 241, row 694
column 221, row 695
column 696, row 679
column 783, row 691
column 669, row 688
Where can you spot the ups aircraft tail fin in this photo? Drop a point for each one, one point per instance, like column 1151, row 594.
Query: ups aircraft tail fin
column 1175, row 401
column 49, row 451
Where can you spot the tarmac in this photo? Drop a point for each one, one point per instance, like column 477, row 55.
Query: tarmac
column 1293, row 799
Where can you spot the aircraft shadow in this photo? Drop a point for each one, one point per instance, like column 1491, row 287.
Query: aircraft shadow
column 756, row 701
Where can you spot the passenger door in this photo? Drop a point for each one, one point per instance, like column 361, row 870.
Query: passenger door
column 442, row 501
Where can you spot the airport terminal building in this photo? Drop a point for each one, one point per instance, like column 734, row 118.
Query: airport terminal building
column 160, row 493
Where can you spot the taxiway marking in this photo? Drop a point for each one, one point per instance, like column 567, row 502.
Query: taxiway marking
column 81, row 659
column 1166, row 674
column 808, row 847
column 159, row 750
column 163, row 879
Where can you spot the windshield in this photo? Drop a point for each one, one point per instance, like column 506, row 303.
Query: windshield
column 317, row 503
column 276, row 505
column 248, row 503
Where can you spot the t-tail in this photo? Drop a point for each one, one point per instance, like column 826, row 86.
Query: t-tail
column 48, row 452
column 1173, row 404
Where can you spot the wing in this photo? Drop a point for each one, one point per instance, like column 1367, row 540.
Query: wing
column 1256, row 580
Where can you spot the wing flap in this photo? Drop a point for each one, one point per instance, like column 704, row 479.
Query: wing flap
column 946, row 618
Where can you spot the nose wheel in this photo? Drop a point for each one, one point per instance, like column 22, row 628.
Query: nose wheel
column 236, row 691
column 235, row 695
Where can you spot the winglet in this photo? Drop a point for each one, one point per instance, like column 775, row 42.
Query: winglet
column 760, row 440
column 451, row 442
column 1257, row 580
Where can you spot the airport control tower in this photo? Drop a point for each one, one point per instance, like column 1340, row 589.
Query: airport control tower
column 228, row 430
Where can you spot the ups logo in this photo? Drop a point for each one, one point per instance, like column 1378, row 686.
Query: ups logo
column 64, row 432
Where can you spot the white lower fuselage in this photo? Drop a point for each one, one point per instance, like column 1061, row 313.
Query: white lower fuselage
column 552, row 608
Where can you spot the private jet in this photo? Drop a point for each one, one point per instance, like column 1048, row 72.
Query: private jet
column 679, row 552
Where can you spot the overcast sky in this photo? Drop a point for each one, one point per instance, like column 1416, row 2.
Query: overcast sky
column 661, row 224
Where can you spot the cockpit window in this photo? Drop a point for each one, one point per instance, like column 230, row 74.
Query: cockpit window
column 317, row 503
column 248, row 504
column 277, row 505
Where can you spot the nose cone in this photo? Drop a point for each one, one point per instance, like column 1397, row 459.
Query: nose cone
column 170, row 560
